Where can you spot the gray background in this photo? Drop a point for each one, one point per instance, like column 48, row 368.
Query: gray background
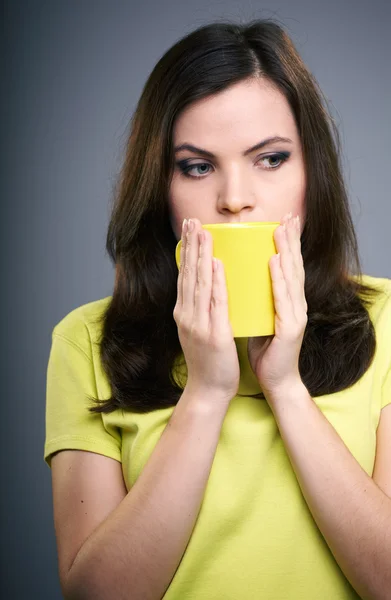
column 72, row 74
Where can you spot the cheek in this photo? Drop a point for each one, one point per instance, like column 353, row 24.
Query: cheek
column 295, row 189
column 180, row 210
column 299, row 202
column 184, row 204
column 291, row 197
column 176, row 210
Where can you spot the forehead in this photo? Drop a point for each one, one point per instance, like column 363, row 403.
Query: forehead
column 245, row 109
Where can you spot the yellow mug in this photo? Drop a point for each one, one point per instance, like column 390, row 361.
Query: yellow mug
column 245, row 250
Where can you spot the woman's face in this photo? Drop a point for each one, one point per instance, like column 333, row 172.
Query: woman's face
column 235, row 186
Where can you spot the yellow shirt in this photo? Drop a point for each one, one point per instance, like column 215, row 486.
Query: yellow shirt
column 255, row 536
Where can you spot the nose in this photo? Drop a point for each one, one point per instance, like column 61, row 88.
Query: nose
column 236, row 203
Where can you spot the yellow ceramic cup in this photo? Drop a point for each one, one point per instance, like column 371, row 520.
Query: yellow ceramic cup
column 245, row 250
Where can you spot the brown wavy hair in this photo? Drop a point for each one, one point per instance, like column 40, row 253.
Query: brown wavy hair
column 139, row 343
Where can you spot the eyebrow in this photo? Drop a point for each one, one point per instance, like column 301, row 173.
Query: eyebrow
column 258, row 146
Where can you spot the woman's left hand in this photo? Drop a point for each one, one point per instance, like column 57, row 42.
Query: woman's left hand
column 275, row 359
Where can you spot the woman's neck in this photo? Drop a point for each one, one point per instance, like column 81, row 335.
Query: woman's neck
column 248, row 381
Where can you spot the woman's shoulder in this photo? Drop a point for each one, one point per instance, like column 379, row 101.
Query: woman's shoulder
column 382, row 283
column 380, row 307
column 82, row 325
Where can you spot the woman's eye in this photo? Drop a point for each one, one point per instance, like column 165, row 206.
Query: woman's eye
column 187, row 169
column 276, row 160
column 201, row 166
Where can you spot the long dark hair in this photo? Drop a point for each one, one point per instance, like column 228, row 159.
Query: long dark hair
column 139, row 344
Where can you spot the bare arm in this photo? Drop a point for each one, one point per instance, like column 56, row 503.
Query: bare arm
column 135, row 552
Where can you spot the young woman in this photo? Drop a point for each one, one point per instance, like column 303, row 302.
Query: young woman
column 188, row 464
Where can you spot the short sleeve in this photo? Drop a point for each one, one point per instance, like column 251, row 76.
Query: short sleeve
column 386, row 387
column 385, row 336
column 69, row 424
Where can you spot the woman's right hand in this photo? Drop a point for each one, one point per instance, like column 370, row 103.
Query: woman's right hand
column 201, row 314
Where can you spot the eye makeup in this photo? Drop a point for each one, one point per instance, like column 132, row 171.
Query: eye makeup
column 280, row 157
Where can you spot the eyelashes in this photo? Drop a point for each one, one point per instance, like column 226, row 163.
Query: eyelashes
column 280, row 157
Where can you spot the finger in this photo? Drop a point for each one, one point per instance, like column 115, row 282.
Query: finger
column 296, row 281
column 179, row 301
column 282, row 301
column 204, row 284
column 219, row 303
column 190, row 272
column 293, row 284
column 294, row 241
column 301, row 265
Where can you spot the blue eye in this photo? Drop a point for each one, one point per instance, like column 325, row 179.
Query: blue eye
column 277, row 158
column 186, row 170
